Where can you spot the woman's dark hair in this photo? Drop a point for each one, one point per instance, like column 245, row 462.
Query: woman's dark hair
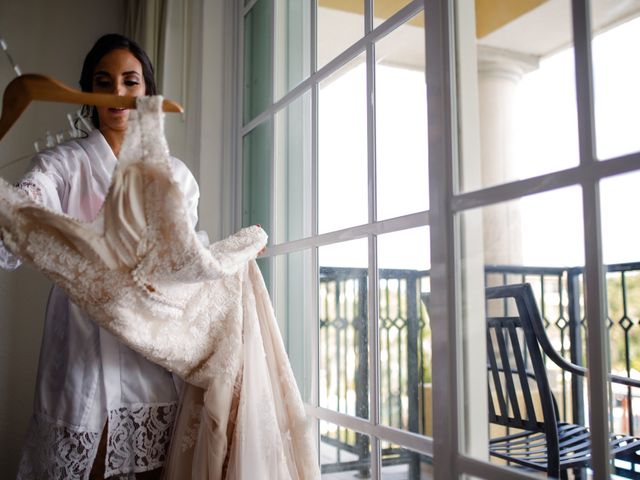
column 104, row 45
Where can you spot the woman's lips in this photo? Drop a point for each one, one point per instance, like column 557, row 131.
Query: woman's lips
column 117, row 110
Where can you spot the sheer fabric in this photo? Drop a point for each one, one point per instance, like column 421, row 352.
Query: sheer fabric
column 203, row 313
column 85, row 375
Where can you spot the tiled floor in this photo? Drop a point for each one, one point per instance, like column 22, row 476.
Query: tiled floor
column 328, row 455
column 396, row 472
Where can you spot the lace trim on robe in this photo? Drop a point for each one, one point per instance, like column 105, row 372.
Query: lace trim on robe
column 55, row 451
column 139, row 437
column 138, row 441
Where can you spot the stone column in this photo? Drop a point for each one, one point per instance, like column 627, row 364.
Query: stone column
column 499, row 72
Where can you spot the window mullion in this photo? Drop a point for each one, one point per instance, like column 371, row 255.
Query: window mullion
column 273, row 214
column 315, row 267
column 441, row 117
column 314, row 122
column 238, row 113
column 374, row 344
column 594, row 275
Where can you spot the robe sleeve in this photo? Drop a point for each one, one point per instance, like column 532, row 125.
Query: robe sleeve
column 191, row 192
column 189, row 188
column 232, row 253
column 44, row 184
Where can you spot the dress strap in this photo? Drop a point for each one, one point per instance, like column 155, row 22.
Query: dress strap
column 145, row 140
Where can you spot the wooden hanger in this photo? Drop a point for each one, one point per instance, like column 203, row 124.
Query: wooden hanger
column 31, row 86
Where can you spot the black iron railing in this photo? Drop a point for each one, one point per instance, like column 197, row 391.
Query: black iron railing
column 405, row 349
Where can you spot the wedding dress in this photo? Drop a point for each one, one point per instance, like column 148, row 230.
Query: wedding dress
column 86, row 379
column 141, row 272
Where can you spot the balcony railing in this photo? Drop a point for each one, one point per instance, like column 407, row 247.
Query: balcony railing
column 405, row 349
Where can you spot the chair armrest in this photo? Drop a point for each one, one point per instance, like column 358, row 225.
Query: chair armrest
column 525, row 300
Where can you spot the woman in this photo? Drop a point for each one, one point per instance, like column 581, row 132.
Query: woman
column 101, row 410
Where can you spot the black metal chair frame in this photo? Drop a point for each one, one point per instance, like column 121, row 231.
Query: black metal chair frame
column 542, row 444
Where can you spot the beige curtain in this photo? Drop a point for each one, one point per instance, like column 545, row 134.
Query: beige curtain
column 145, row 21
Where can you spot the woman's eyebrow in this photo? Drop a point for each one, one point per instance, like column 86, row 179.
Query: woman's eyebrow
column 107, row 74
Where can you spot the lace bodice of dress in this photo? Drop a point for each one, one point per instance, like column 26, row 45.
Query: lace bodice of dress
column 140, row 258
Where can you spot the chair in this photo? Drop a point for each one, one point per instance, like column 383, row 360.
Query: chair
column 515, row 347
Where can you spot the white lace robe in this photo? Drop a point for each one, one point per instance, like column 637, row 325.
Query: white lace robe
column 86, row 376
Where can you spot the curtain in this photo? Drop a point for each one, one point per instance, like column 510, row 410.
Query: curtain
column 145, row 21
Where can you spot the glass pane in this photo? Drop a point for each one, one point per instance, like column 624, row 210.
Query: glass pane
column 404, row 330
column 264, row 263
column 619, row 234
column 344, row 384
column 621, row 255
column 293, row 170
column 344, row 453
column 616, row 72
column 401, row 121
column 293, row 44
column 342, row 148
column 340, row 24
column 516, row 86
column 292, row 300
column 257, row 60
column 401, row 464
column 256, row 177
column 529, row 251
column 383, row 9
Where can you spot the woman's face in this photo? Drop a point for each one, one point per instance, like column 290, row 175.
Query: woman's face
column 118, row 73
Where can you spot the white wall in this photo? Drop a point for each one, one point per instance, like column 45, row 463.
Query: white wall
column 50, row 38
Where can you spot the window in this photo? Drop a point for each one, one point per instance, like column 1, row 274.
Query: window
column 334, row 165
column 382, row 192
column 531, row 201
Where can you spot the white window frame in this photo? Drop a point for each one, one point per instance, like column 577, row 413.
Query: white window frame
column 445, row 204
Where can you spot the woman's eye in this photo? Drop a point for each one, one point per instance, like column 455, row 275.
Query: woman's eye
column 131, row 83
column 102, row 83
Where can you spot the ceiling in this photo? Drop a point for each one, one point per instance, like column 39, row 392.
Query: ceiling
column 534, row 27
column 546, row 28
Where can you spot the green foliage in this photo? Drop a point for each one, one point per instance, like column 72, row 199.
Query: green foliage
column 624, row 312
